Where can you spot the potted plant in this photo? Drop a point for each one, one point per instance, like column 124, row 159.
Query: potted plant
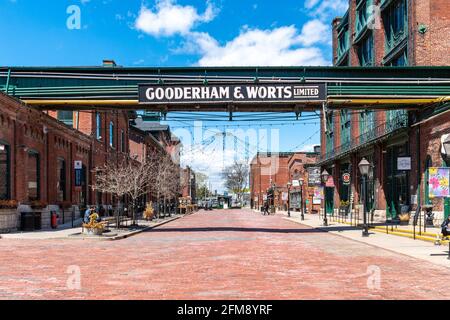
column 8, row 214
column 8, row 204
column 38, row 204
column 93, row 227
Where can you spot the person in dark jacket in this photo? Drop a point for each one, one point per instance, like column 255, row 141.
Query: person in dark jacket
column 445, row 227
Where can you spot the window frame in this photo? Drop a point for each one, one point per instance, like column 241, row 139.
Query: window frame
column 7, row 149
column 61, row 182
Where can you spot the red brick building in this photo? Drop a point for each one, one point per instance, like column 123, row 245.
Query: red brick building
column 400, row 33
column 38, row 155
column 270, row 174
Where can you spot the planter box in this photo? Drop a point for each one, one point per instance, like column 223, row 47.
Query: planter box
column 93, row 231
column 8, row 220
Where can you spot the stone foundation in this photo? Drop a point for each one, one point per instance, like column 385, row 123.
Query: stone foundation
column 8, row 220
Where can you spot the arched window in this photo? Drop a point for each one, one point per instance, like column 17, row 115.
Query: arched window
column 98, row 123
column 5, row 167
column 61, row 176
column 111, row 134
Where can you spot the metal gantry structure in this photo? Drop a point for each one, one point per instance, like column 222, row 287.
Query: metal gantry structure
column 117, row 87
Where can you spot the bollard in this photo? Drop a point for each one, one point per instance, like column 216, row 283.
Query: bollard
column 448, row 257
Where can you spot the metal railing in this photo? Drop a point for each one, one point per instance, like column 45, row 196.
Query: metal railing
column 388, row 127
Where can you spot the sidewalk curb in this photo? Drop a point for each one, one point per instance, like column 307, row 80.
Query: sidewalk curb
column 339, row 234
column 124, row 236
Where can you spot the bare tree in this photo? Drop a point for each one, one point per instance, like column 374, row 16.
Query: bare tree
column 236, row 178
column 111, row 178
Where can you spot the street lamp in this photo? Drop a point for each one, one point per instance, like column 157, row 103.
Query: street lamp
column 325, row 175
column 302, row 206
column 289, row 184
column 364, row 167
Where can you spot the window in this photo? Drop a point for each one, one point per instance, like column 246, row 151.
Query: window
column 343, row 35
column 61, row 182
column 365, row 51
column 66, row 117
column 395, row 18
column 366, row 125
column 363, row 14
column 329, row 132
column 4, row 172
column 400, row 61
column 98, row 123
column 122, row 141
column 33, row 176
column 111, row 134
column 345, row 127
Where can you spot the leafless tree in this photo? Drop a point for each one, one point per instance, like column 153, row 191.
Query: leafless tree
column 236, row 178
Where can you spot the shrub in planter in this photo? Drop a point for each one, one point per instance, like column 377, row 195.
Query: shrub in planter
column 8, row 204
column 38, row 204
column 65, row 205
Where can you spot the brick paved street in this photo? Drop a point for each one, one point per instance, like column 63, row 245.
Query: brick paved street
column 216, row 255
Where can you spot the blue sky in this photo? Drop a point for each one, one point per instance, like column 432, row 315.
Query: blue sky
column 174, row 33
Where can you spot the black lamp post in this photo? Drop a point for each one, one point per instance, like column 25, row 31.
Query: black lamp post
column 364, row 167
column 301, row 199
column 289, row 198
column 325, row 175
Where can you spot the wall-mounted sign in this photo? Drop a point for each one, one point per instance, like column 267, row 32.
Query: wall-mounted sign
column 78, row 164
column 295, row 183
column 404, row 163
column 439, row 182
column 277, row 92
column 346, row 178
column 314, row 178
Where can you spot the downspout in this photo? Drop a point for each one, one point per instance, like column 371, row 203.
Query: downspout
column 419, row 174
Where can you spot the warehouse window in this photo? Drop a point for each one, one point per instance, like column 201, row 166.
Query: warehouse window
column 111, row 134
column 365, row 51
column 66, row 117
column 98, row 123
column 61, row 176
column 33, row 176
column 395, row 19
column 5, row 172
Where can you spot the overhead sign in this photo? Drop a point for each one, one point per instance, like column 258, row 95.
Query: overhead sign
column 277, row 92
column 314, row 178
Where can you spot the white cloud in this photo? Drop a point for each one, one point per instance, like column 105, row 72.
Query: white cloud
column 326, row 10
column 169, row 18
column 283, row 46
column 315, row 31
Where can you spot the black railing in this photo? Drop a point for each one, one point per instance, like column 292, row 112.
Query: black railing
column 390, row 126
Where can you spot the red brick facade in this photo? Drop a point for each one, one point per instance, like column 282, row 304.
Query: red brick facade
column 426, row 42
column 275, row 171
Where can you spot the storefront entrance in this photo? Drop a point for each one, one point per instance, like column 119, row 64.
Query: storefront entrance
column 396, row 182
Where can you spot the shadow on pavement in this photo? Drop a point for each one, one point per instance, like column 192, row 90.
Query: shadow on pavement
column 266, row 230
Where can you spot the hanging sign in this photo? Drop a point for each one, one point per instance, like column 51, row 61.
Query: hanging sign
column 276, row 92
column 346, row 178
column 314, row 178
column 438, row 181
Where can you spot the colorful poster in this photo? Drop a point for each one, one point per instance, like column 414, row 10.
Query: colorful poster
column 438, row 181
column 318, row 193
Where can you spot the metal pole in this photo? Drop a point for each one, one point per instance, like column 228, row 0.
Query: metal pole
column 289, row 202
column 365, row 231
column 302, row 203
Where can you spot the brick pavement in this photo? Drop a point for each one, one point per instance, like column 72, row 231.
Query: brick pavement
column 216, row 255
